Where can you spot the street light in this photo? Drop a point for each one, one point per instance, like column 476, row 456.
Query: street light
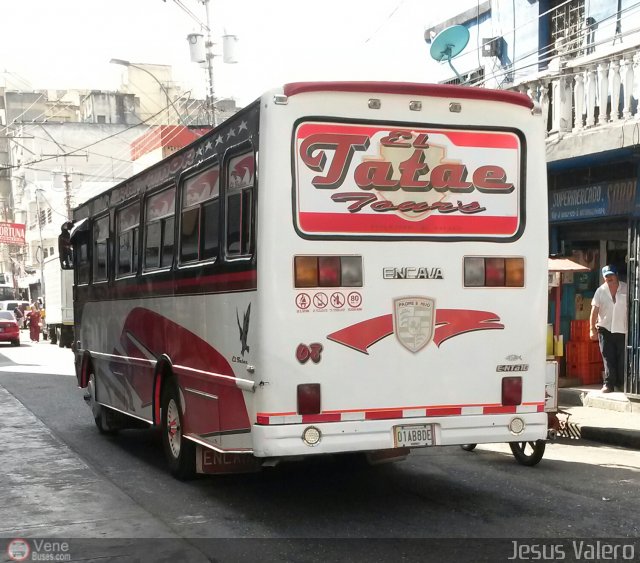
column 162, row 87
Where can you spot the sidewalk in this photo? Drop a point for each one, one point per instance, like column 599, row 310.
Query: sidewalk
column 611, row 418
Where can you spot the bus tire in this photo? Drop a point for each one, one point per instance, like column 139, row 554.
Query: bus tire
column 468, row 447
column 100, row 414
column 528, row 453
column 53, row 335
column 180, row 453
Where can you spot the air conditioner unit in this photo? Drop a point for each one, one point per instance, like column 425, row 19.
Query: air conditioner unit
column 492, row 46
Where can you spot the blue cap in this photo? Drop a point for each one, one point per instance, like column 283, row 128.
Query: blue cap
column 609, row 270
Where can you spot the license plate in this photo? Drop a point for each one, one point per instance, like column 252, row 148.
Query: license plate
column 416, row 435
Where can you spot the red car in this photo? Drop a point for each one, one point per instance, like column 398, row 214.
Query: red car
column 9, row 330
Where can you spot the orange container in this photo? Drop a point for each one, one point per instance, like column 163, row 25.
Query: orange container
column 580, row 331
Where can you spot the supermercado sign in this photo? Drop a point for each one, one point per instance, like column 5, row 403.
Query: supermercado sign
column 389, row 181
column 607, row 199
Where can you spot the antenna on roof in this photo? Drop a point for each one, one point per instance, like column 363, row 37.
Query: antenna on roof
column 449, row 43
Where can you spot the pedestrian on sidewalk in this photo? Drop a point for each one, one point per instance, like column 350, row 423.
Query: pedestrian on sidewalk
column 34, row 323
column 608, row 325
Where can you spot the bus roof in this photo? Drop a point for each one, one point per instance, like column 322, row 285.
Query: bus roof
column 413, row 88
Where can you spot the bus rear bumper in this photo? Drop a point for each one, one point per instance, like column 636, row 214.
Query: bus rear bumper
column 371, row 435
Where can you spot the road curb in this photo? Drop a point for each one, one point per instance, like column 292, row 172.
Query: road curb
column 613, row 436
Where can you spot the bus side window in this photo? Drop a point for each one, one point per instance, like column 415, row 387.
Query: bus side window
column 159, row 224
column 199, row 221
column 82, row 260
column 239, row 216
column 127, row 233
column 100, row 249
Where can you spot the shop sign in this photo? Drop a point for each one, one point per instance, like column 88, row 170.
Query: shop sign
column 607, row 199
column 12, row 233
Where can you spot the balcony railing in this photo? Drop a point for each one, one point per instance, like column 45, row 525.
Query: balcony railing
column 585, row 94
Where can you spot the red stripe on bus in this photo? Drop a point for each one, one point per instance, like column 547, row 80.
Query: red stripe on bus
column 476, row 139
column 322, row 417
column 329, row 223
column 228, row 282
column 380, row 415
column 451, row 411
column 447, row 91
column 499, row 410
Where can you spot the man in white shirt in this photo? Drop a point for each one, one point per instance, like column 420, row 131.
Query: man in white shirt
column 608, row 325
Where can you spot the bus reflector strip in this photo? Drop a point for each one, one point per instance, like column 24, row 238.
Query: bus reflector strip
column 480, row 271
column 327, row 271
column 266, row 419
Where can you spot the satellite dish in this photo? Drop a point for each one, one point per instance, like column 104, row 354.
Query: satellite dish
column 449, row 43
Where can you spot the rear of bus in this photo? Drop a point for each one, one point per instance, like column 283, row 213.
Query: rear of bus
column 402, row 250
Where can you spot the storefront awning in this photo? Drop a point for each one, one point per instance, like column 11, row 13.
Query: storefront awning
column 565, row 265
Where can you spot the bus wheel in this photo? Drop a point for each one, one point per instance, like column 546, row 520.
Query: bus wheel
column 468, row 447
column 180, row 453
column 528, row 453
column 101, row 415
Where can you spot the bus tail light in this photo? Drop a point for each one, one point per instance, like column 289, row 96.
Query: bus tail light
column 493, row 272
column 327, row 271
column 309, row 398
column 511, row 391
column 306, row 271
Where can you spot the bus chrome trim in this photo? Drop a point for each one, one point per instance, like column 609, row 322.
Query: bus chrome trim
column 128, row 359
column 216, row 448
column 244, row 384
column 201, row 393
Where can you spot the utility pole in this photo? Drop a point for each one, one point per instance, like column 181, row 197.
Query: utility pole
column 211, row 105
column 41, row 258
column 67, row 193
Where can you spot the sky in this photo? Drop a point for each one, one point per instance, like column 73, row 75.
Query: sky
column 67, row 44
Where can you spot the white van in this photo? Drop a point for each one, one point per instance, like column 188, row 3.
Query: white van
column 10, row 305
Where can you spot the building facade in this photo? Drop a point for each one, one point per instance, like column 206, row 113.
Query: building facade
column 579, row 61
column 60, row 148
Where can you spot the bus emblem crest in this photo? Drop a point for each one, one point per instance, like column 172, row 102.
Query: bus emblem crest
column 414, row 321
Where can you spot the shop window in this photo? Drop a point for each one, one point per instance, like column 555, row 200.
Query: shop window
column 567, row 27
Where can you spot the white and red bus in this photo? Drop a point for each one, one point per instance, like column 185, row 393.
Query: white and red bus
column 340, row 267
